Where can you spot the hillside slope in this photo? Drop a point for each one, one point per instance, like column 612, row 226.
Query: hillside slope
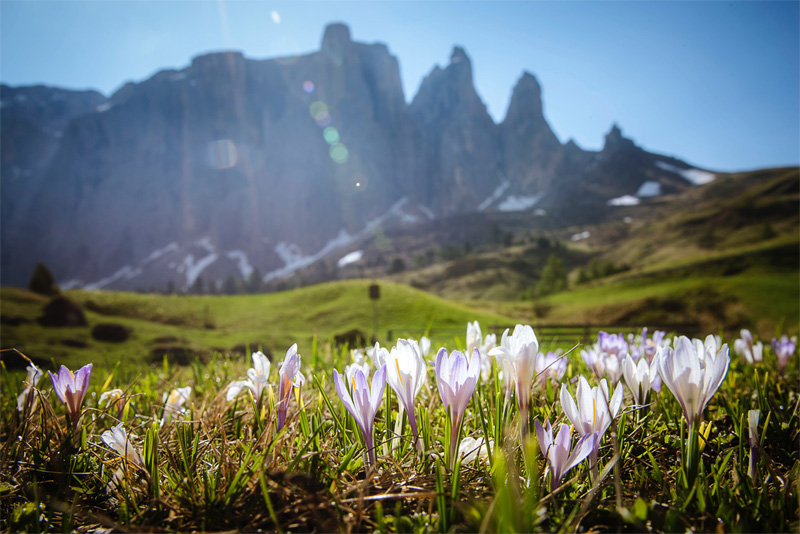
column 189, row 326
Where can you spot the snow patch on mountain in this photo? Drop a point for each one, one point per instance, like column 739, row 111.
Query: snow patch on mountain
column 496, row 194
column 245, row 268
column 695, row 176
column 157, row 253
column 193, row 269
column 349, row 258
column 518, row 203
column 123, row 272
column 294, row 259
column 649, row 189
column 624, row 200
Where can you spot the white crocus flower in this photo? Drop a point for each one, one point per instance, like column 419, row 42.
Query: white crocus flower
column 107, row 398
column 173, row 403
column 747, row 348
column 257, row 378
column 474, row 337
column 406, row 372
column 489, row 342
column 752, row 423
column 471, row 449
column 640, row 377
column 118, row 440
column 360, row 362
column 28, row 396
column 594, row 410
column 425, row 346
column 379, row 355
column 691, row 375
column 517, row 356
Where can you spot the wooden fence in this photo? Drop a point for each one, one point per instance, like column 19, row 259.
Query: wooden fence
column 571, row 333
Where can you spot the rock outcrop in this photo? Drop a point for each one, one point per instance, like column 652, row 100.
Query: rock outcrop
column 240, row 167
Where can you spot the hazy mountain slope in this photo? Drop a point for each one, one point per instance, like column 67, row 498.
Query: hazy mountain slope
column 233, row 166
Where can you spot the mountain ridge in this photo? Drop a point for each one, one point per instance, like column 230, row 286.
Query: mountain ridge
column 232, row 165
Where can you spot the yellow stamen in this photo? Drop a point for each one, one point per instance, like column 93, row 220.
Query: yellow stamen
column 354, row 382
column 594, row 411
column 397, row 364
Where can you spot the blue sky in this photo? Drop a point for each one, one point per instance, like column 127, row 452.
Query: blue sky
column 715, row 83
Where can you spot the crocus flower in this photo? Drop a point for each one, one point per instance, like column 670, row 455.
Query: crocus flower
column 489, row 342
column 517, row 356
column 173, row 403
column 71, row 388
column 117, row 438
column 379, row 355
column 27, row 399
column 424, row 346
column 603, row 364
column 551, row 365
column 784, row 349
column 359, row 362
column 594, row 410
column 692, row 375
column 474, row 336
column 290, row 376
column 110, row 398
column 747, row 348
column 257, row 377
column 364, row 402
column 456, row 379
column 471, row 449
column 406, row 373
column 612, row 344
column 752, row 422
column 557, row 451
column 640, row 377
column 475, row 341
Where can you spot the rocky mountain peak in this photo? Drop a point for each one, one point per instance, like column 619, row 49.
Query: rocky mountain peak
column 615, row 141
column 526, row 99
column 336, row 38
column 450, row 90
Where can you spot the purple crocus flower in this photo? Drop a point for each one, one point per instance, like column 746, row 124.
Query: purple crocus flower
column 612, row 344
column 456, row 379
column 557, row 451
column 364, row 402
column 290, row 376
column 784, row 348
column 71, row 388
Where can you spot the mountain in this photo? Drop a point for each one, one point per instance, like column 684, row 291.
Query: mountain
column 233, row 166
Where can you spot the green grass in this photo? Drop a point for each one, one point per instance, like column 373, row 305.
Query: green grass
column 224, row 467
column 207, row 324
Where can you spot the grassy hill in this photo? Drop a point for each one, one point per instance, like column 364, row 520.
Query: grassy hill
column 205, row 324
column 725, row 255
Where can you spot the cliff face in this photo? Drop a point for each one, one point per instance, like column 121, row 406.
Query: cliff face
column 232, row 165
column 458, row 144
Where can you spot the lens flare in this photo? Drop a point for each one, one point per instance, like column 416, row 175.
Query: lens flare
column 319, row 111
column 222, row 154
column 331, row 135
column 276, row 18
column 359, row 182
column 308, row 86
column 339, row 153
